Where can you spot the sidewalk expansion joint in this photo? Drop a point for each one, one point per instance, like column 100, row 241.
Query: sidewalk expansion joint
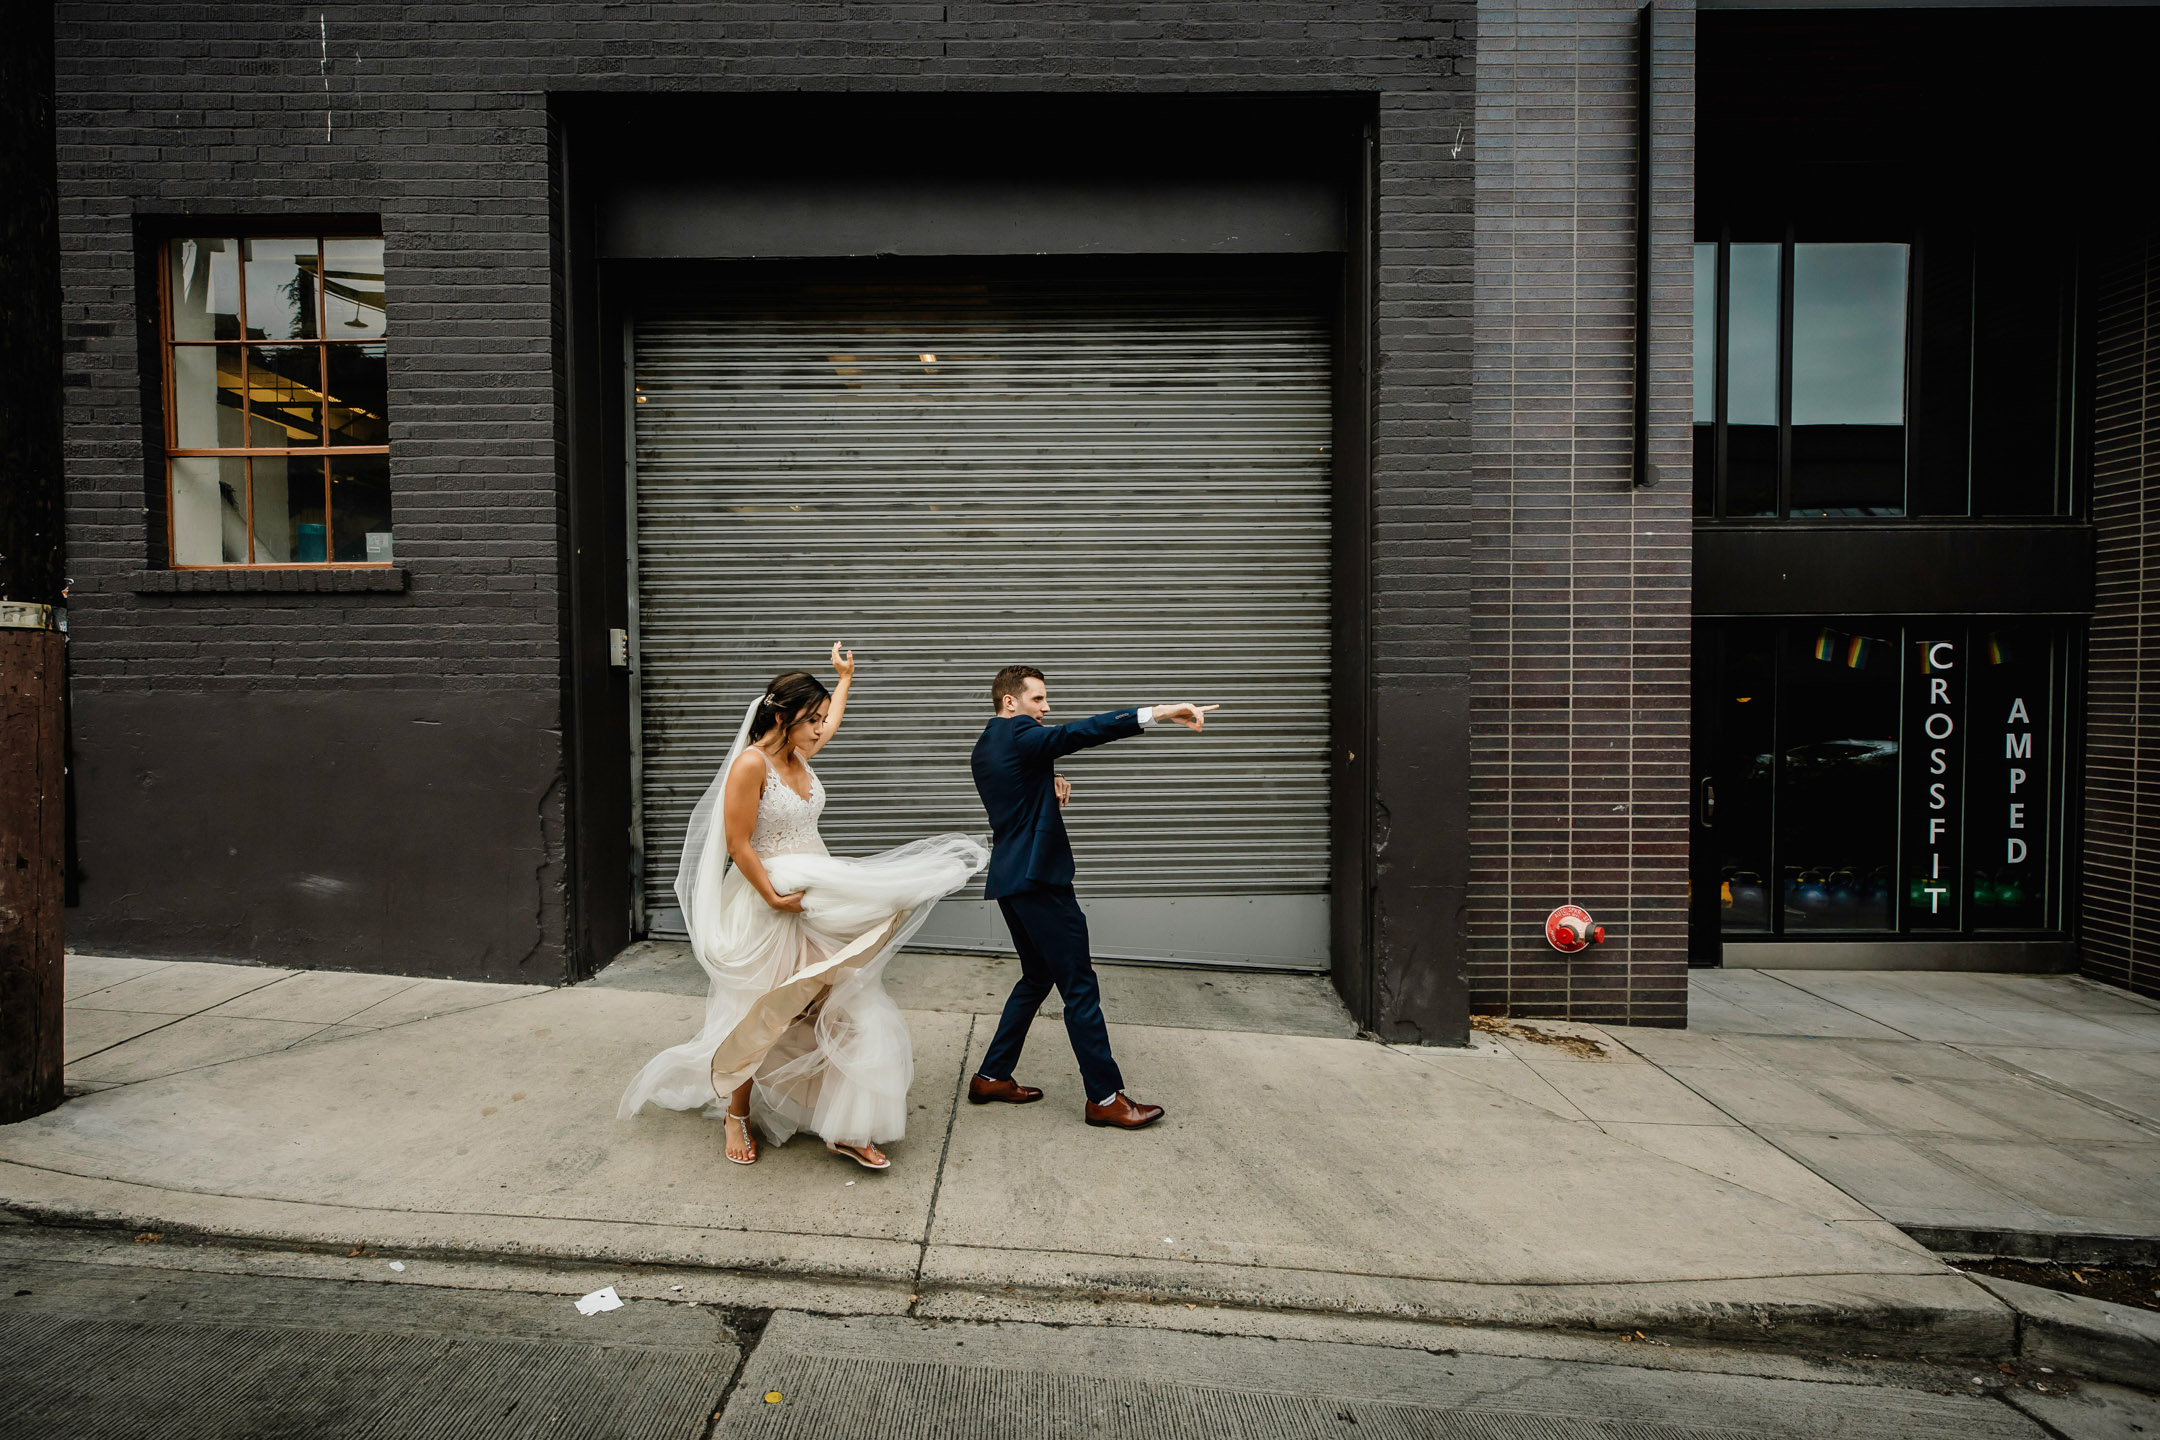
column 2128, row 1117
column 937, row 1183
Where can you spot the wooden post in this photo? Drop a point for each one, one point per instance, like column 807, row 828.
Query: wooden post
column 33, row 779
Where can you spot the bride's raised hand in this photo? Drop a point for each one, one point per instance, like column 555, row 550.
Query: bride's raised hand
column 843, row 662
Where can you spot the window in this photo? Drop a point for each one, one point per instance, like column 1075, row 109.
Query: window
column 1875, row 777
column 1812, row 400
column 1805, row 345
column 277, row 416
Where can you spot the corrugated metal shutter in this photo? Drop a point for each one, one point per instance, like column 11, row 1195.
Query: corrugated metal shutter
column 1127, row 490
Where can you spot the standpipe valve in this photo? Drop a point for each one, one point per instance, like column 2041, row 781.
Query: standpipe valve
column 1570, row 929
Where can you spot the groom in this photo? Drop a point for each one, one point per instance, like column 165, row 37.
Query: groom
column 1031, row 874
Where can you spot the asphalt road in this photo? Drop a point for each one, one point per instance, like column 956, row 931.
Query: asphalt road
column 99, row 1347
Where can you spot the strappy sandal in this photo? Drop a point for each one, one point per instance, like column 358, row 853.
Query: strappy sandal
column 749, row 1139
column 858, row 1157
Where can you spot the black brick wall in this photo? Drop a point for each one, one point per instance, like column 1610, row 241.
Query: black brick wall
column 1579, row 787
column 435, row 117
column 2121, row 905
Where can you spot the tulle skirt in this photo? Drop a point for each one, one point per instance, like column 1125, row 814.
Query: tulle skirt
column 797, row 1003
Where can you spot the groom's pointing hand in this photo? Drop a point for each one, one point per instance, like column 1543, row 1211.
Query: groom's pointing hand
column 1192, row 717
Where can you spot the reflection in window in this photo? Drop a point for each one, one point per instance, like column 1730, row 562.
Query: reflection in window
column 1741, row 813
column 1928, row 378
column 253, row 424
column 359, row 392
column 281, row 289
column 1848, row 379
column 210, row 496
column 1705, row 375
column 354, row 307
column 1879, row 778
column 284, row 396
column 289, row 521
column 1837, row 800
column 204, row 286
column 1751, row 380
column 209, row 404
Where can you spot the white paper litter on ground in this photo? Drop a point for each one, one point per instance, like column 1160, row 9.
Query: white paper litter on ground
column 397, row 1264
column 604, row 1298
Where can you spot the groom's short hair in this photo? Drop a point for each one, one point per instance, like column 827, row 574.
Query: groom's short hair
column 1012, row 680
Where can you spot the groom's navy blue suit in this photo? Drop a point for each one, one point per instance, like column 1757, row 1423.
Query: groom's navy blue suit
column 1031, row 873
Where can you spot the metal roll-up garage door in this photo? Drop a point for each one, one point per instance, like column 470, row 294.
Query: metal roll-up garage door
column 1128, row 489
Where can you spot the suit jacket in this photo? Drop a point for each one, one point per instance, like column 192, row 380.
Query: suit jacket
column 1015, row 764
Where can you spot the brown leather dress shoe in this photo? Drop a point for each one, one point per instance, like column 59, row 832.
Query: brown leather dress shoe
column 1123, row 1113
column 982, row 1090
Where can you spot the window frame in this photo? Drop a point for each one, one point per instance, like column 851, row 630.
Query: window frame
column 1788, row 237
column 1931, row 245
column 323, row 231
column 2064, row 724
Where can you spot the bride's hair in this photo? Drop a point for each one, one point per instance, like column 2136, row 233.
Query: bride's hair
column 790, row 697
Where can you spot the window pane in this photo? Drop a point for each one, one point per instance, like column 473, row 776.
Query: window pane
column 205, row 285
column 2015, row 377
column 1705, row 332
column 289, row 520
column 206, row 398
column 360, row 509
column 2007, row 785
column 1849, row 334
column 1751, row 381
column 1848, row 382
column 353, row 301
column 1935, row 737
column 1740, row 825
column 284, row 395
column 1837, row 805
column 359, row 394
column 1705, row 375
column 1940, row 415
column 209, row 510
column 281, row 298
column 1751, row 395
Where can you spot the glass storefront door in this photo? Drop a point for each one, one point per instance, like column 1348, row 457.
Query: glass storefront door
column 1880, row 779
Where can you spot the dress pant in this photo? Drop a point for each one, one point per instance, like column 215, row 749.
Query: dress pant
column 1051, row 934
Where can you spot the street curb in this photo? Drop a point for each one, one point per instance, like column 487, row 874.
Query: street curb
column 2057, row 1247
column 1941, row 1315
column 2095, row 1339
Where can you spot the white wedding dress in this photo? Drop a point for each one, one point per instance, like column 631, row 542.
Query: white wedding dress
column 797, row 1002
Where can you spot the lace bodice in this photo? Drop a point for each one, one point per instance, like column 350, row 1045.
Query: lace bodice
column 787, row 824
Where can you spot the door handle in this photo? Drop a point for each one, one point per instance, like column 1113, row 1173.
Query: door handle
column 1707, row 809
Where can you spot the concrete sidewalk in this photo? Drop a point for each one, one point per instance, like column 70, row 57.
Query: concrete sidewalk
column 2002, row 1114
column 1551, row 1175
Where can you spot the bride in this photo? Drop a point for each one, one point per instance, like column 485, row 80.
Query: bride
column 799, row 1032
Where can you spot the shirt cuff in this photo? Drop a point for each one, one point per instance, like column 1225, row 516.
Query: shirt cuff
column 1146, row 714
